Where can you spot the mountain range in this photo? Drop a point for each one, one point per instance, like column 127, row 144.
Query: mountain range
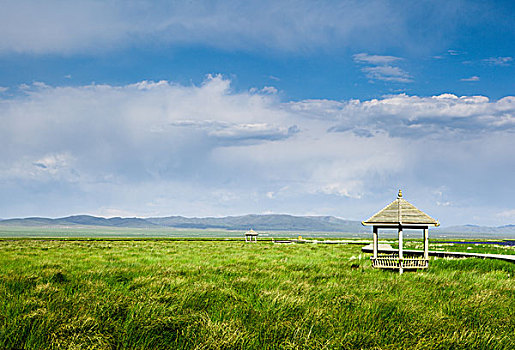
column 273, row 222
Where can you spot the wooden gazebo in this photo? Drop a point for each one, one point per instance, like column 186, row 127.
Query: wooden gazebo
column 251, row 235
column 400, row 215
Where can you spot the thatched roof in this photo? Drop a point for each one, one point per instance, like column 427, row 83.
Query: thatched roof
column 401, row 212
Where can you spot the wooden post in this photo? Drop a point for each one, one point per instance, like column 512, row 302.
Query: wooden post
column 376, row 244
column 426, row 243
column 401, row 269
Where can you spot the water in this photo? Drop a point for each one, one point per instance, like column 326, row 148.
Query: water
column 507, row 243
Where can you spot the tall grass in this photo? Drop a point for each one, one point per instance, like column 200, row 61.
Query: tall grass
column 232, row 295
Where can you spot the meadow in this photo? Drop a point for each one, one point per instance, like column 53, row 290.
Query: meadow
column 158, row 294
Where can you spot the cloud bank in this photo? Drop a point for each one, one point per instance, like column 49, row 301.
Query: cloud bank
column 160, row 148
column 73, row 27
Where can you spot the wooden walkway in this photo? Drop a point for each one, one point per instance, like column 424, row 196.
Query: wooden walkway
column 441, row 254
column 314, row 241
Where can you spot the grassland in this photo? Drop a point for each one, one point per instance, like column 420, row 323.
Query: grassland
column 478, row 246
column 151, row 294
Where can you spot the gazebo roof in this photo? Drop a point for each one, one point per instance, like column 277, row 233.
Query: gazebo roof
column 251, row 232
column 400, row 212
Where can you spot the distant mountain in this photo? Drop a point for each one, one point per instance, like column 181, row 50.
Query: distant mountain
column 257, row 222
column 79, row 220
column 273, row 222
column 475, row 229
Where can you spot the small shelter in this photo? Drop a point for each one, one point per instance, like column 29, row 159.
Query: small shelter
column 400, row 215
column 251, row 235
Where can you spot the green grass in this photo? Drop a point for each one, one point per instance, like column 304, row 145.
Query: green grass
column 154, row 294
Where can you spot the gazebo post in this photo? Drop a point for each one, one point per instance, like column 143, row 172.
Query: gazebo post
column 376, row 244
column 401, row 270
column 426, row 243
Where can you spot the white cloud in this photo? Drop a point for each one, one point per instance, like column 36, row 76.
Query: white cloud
column 455, row 52
column 374, row 59
column 49, row 167
column 507, row 214
column 413, row 116
column 387, row 73
column 499, row 61
column 160, row 148
column 113, row 212
column 52, row 162
column 269, row 90
column 56, row 26
column 73, row 27
column 381, row 68
column 472, row 78
column 235, row 133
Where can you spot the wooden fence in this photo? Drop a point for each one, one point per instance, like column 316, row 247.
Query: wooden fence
column 394, row 262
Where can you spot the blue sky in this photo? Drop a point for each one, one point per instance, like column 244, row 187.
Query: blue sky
column 210, row 108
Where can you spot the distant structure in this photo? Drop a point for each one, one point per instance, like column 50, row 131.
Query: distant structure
column 400, row 215
column 251, row 235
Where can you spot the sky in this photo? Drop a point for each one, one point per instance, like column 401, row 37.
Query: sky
column 215, row 108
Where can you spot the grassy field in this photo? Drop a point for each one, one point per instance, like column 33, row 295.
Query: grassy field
column 478, row 246
column 153, row 294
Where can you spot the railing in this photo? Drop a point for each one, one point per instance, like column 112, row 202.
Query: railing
column 394, row 262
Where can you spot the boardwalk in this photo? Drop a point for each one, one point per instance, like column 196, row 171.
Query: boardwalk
column 441, row 254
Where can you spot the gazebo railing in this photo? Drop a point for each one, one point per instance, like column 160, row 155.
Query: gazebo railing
column 393, row 261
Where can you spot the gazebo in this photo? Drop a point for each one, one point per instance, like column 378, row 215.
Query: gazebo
column 400, row 215
column 251, row 234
